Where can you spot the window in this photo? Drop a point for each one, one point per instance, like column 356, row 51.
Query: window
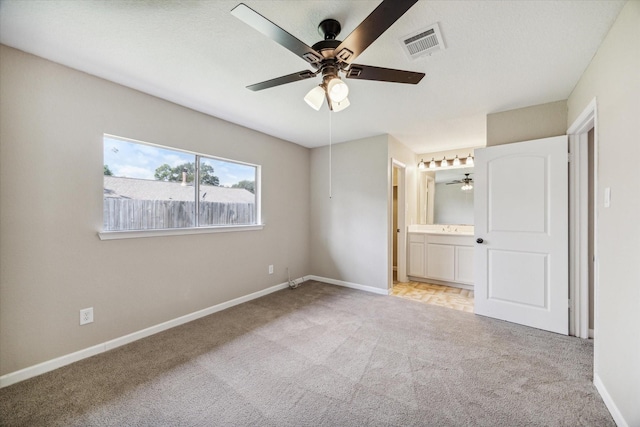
column 148, row 187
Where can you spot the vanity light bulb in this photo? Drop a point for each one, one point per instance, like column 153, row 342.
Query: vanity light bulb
column 469, row 161
column 456, row 161
column 432, row 164
column 443, row 163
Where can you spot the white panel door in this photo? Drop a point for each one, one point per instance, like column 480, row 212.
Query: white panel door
column 521, row 227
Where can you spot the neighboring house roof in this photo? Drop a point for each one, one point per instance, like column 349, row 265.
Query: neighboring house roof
column 146, row 189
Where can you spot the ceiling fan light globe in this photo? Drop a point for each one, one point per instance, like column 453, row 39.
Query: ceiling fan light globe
column 315, row 98
column 337, row 90
column 339, row 106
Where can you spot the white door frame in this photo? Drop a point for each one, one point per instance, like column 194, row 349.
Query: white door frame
column 402, row 222
column 578, row 221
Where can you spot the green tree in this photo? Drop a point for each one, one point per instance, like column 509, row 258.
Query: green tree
column 107, row 171
column 247, row 185
column 167, row 173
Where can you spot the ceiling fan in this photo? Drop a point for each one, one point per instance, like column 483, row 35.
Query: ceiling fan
column 330, row 57
column 466, row 181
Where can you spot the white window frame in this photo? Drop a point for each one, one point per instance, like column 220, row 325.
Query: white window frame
column 132, row 234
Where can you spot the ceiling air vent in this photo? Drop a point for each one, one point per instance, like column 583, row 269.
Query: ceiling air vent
column 423, row 42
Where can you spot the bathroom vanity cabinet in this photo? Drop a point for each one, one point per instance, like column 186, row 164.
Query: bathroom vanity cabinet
column 446, row 257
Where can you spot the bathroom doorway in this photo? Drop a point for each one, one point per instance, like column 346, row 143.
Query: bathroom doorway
column 397, row 223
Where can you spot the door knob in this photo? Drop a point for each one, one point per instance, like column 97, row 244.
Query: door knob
column 479, row 240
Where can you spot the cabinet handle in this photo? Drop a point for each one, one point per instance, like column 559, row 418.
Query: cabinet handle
column 479, row 240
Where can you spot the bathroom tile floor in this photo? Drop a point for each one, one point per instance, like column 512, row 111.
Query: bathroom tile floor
column 444, row 296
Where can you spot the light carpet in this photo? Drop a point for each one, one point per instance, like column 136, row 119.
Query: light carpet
column 323, row 355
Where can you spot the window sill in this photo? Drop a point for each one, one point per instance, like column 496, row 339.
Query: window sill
column 136, row 234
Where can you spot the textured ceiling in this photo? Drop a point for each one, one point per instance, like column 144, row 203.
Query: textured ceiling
column 500, row 55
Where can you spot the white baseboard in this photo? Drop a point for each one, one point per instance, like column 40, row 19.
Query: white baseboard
column 442, row 282
column 608, row 401
column 349, row 285
column 50, row 365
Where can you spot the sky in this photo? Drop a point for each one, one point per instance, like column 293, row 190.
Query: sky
column 134, row 160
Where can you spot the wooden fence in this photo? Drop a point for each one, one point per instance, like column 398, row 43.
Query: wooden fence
column 130, row 214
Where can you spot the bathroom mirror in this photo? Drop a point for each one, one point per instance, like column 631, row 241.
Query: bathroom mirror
column 441, row 198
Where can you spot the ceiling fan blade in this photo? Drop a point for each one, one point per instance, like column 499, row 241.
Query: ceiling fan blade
column 383, row 17
column 367, row 72
column 275, row 33
column 290, row 78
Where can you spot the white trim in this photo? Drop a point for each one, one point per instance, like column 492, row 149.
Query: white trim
column 609, row 403
column 50, row 365
column 442, row 283
column 579, row 235
column 348, row 285
column 402, row 223
column 136, row 234
column 579, row 227
column 586, row 120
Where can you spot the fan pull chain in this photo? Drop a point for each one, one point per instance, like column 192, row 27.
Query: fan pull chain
column 330, row 143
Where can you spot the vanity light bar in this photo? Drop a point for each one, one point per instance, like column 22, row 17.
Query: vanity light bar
column 437, row 164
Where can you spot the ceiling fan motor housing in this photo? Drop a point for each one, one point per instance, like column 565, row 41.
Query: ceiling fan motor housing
column 329, row 29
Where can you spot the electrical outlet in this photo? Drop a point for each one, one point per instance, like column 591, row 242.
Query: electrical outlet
column 271, row 269
column 86, row 316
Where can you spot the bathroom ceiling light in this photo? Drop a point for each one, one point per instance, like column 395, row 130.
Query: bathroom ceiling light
column 432, row 163
column 421, row 165
column 456, row 161
column 469, row 161
column 444, row 163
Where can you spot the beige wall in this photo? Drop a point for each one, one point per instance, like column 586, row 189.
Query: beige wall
column 612, row 78
column 525, row 124
column 349, row 231
column 53, row 264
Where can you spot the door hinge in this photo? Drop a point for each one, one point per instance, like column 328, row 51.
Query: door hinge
column 569, row 157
